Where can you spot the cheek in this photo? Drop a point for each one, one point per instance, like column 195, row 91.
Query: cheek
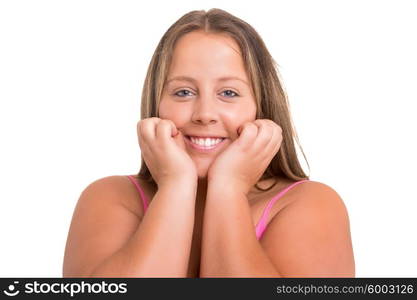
column 244, row 111
column 163, row 111
column 234, row 119
column 172, row 111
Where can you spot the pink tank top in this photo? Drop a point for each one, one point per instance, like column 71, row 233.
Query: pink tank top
column 260, row 227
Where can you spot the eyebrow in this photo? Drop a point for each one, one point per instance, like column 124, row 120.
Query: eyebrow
column 186, row 78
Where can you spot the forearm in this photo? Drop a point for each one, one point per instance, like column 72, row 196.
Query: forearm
column 229, row 244
column 160, row 247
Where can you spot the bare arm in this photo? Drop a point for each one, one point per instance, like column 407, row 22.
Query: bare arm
column 157, row 247
column 229, row 244
column 309, row 238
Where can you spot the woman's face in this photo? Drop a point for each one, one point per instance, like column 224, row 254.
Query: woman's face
column 204, row 104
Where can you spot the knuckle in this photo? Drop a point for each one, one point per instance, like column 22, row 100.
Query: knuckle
column 274, row 125
column 271, row 123
column 145, row 127
column 142, row 126
column 251, row 125
column 138, row 125
column 164, row 124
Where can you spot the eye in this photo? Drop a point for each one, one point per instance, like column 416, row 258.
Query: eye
column 230, row 93
column 236, row 95
column 176, row 94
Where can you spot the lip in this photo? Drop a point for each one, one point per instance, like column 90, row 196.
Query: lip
column 205, row 136
column 203, row 149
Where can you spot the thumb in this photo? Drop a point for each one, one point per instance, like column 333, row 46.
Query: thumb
column 174, row 130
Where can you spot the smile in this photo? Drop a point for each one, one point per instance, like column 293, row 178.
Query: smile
column 204, row 144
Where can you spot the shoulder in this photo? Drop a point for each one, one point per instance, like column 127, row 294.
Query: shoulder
column 102, row 211
column 113, row 183
column 119, row 190
column 320, row 196
column 316, row 186
column 308, row 192
column 311, row 235
column 313, row 199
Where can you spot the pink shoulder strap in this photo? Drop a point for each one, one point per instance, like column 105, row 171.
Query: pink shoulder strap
column 142, row 194
column 261, row 226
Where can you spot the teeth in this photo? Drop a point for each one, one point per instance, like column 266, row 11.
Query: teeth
column 208, row 142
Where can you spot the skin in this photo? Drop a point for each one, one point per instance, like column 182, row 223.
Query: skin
column 308, row 234
column 210, row 106
column 207, row 106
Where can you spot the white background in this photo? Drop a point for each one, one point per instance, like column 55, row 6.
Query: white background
column 71, row 75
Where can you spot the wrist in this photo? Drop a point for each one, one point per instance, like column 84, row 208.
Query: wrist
column 182, row 180
column 227, row 185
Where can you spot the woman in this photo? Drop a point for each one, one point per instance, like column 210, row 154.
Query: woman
column 217, row 154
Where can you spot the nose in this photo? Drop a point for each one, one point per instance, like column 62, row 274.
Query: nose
column 205, row 111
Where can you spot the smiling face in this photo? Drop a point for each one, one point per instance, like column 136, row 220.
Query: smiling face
column 203, row 103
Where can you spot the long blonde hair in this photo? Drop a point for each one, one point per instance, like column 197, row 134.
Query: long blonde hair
column 270, row 96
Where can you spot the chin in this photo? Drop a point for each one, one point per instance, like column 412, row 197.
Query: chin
column 202, row 168
column 202, row 178
column 202, row 173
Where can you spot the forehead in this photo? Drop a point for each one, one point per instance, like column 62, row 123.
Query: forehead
column 207, row 55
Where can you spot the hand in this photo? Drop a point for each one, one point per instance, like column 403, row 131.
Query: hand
column 163, row 149
column 246, row 159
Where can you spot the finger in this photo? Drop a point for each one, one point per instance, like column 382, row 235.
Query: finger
column 139, row 133
column 174, row 131
column 276, row 139
column 248, row 130
column 247, row 136
column 242, row 127
column 264, row 144
column 263, row 139
column 147, row 129
column 265, row 132
column 166, row 129
column 154, row 121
